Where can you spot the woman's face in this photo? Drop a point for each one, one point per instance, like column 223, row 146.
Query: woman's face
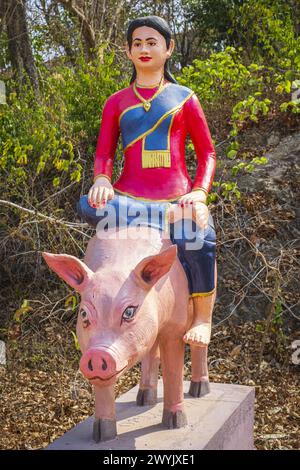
column 148, row 43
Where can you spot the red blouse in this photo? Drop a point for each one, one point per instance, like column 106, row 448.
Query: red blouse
column 156, row 183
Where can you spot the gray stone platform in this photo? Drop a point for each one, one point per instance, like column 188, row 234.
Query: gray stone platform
column 223, row 419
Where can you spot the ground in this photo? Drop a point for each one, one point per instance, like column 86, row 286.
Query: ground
column 43, row 394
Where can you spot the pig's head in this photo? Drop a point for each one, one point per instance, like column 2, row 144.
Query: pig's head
column 120, row 312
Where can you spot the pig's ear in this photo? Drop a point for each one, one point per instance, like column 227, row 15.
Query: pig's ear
column 152, row 268
column 70, row 269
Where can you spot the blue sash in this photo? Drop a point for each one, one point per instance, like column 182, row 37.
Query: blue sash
column 154, row 126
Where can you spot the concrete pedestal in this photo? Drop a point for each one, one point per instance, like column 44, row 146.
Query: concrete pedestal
column 223, row 419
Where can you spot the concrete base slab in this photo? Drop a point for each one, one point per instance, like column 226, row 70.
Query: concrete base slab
column 221, row 420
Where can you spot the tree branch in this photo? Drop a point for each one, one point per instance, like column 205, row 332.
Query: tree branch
column 88, row 31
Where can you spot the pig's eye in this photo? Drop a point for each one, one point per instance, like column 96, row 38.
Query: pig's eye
column 85, row 320
column 129, row 313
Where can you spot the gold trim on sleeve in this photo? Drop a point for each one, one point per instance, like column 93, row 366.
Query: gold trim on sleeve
column 102, row 176
column 200, row 188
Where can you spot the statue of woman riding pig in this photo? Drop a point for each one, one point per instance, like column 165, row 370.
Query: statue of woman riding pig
column 148, row 278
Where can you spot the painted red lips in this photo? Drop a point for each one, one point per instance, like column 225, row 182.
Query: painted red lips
column 145, row 59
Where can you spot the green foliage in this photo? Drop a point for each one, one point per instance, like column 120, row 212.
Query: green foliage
column 54, row 136
column 227, row 190
column 221, row 75
column 250, row 108
column 257, row 75
column 79, row 94
column 76, row 343
column 278, row 338
column 294, row 104
column 269, row 31
column 22, row 311
column 29, row 139
column 277, row 318
column 248, row 167
column 71, row 302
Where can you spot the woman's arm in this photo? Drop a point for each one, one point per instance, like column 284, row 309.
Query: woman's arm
column 102, row 189
column 197, row 128
column 107, row 141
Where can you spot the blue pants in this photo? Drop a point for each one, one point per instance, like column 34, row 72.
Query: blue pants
column 196, row 247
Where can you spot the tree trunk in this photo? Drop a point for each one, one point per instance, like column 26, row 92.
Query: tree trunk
column 87, row 29
column 13, row 17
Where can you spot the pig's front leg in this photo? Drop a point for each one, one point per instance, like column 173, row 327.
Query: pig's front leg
column 105, row 425
column 172, row 361
column 199, row 385
column 147, row 394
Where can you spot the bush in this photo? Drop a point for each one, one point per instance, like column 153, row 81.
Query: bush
column 55, row 136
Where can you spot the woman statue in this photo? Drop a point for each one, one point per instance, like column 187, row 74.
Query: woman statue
column 154, row 115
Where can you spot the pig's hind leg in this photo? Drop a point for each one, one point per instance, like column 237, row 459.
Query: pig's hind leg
column 147, row 394
column 199, row 385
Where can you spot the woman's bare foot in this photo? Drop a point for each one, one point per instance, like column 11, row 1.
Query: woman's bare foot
column 198, row 334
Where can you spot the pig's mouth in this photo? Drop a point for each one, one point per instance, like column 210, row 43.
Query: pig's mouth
column 108, row 378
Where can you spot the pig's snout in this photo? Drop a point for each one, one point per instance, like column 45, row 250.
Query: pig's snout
column 100, row 364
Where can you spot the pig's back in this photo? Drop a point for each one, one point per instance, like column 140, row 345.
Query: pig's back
column 125, row 248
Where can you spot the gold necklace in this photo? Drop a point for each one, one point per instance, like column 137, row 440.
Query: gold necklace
column 147, row 103
column 147, row 86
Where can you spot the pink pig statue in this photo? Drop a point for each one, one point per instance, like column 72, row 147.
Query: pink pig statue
column 134, row 307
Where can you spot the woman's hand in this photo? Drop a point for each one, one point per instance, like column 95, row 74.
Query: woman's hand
column 101, row 191
column 197, row 201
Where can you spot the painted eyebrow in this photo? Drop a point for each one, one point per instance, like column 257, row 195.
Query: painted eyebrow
column 148, row 39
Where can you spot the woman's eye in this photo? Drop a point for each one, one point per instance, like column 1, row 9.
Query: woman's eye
column 129, row 313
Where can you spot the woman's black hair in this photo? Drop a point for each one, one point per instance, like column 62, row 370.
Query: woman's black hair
column 160, row 25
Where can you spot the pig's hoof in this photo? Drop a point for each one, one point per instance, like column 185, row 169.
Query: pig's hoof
column 104, row 430
column 199, row 389
column 146, row 397
column 174, row 420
